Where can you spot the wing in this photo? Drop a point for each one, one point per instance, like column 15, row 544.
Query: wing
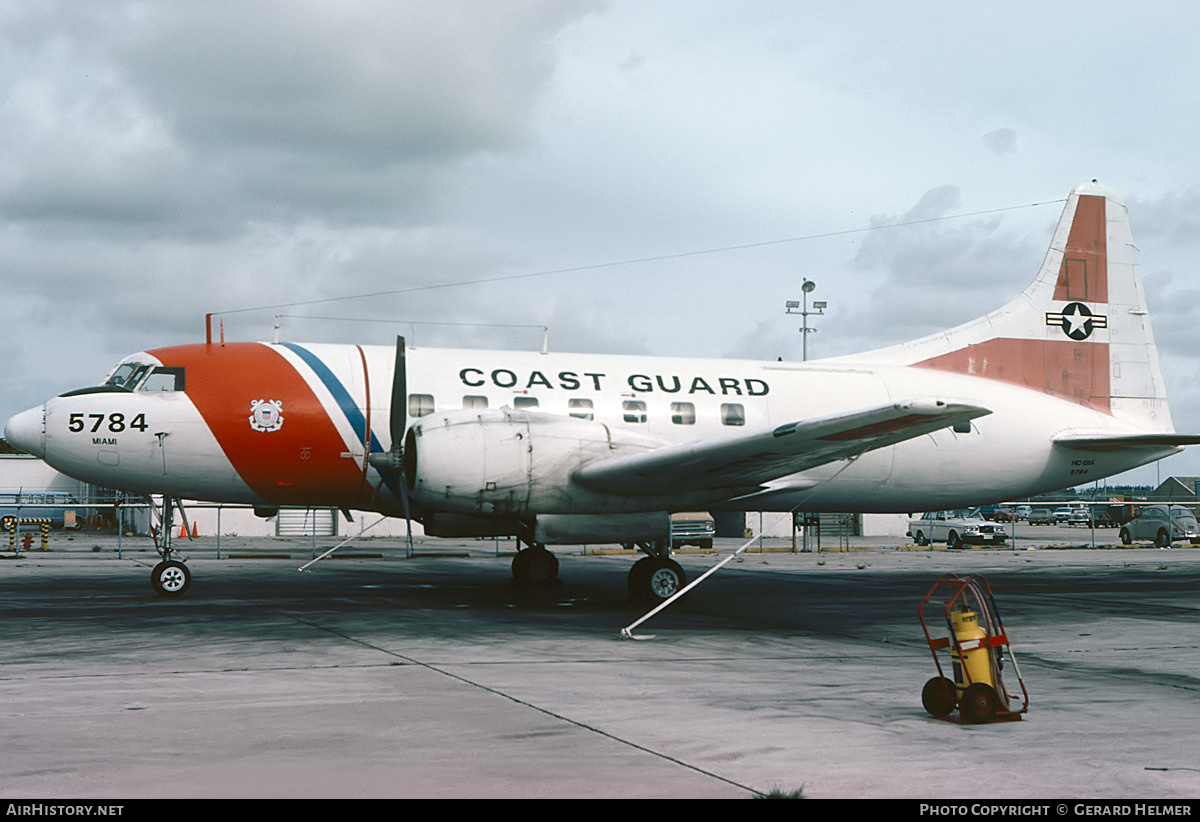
column 752, row 458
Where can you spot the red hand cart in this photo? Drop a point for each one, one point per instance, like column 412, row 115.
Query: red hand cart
column 978, row 648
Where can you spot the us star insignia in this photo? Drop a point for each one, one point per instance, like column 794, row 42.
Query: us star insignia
column 1077, row 321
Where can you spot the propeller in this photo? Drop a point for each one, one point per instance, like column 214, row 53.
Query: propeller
column 392, row 460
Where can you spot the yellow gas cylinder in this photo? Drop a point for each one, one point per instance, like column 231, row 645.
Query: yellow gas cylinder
column 976, row 657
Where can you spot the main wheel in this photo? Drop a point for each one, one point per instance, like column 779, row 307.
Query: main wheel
column 939, row 697
column 652, row 579
column 979, row 703
column 171, row 578
column 535, row 566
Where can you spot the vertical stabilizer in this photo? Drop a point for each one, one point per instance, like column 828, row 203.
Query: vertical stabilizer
column 1081, row 331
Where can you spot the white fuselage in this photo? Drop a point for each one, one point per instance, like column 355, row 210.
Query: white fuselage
column 331, row 406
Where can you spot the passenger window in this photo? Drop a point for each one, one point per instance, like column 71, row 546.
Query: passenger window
column 164, row 378
column 420, row 405
column 683, row 413
column 475, row 402
column 635, row 411
column 732, row 413
column 581, row 409
column 525, row 402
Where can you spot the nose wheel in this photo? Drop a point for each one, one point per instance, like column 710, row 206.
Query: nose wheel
column 170, row 578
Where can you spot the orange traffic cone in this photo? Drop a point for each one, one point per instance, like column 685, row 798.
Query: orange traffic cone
column 195, row 533
column 183, row 532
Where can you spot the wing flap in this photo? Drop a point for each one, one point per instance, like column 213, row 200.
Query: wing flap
column 749, row 459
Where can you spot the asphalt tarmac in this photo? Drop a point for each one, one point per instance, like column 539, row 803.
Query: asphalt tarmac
column 435, row 676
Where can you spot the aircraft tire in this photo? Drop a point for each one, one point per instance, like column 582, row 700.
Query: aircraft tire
column 939, row 697
column 978, row 703
column 535, row 566
column 634, row 580
column 654, row 579
column 171, row 578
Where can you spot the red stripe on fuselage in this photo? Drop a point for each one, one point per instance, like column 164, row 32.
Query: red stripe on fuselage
column 1075, row 371
column 301, row 463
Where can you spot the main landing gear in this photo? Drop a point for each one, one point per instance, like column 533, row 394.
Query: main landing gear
column 656, row 577
column 652, row 579
column 535, row 566
column 170, row 577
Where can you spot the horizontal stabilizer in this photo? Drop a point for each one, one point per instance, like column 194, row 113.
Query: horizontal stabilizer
column 1129, row 442
column 750, row 459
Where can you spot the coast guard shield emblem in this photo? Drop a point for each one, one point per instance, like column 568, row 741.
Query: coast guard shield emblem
column 266, row 415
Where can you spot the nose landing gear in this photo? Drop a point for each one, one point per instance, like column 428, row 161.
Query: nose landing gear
column 170, row 577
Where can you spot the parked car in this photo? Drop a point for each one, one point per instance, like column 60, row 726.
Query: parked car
column 1022, row 512
column 1163, row 524
column 1089, row 517
column 1064, row 515
column 996, row 513
column 1041, row 516
column 955, row 528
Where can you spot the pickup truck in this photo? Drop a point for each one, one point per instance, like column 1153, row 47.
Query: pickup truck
column 1163, row 524
column 696, row 528
column 955, row 528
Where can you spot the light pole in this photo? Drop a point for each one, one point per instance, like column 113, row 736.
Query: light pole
column 819, row 310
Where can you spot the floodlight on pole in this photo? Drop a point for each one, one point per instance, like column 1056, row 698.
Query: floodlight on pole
column 818, row 310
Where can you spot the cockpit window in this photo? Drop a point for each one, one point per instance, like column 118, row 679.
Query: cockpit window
column 164, row 378
column 127, row 375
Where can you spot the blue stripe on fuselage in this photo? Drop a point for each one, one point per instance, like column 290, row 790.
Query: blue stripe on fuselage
column 341, row 396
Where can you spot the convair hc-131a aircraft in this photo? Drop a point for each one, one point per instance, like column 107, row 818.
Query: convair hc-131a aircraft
column 1060, row 386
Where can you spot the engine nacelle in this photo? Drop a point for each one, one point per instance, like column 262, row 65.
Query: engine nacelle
column 501, row 462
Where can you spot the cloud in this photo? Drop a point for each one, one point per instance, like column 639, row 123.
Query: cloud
column 934, row 270
column 202, row 116
column 1001, row 141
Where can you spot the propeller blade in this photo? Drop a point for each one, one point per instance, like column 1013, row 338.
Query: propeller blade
column 399, row 426
column 408, row 543
column 399, row 414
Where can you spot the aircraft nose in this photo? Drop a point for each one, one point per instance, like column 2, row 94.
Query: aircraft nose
column 27, row 431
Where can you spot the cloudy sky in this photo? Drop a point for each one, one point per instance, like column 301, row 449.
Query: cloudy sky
column 642, row 176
